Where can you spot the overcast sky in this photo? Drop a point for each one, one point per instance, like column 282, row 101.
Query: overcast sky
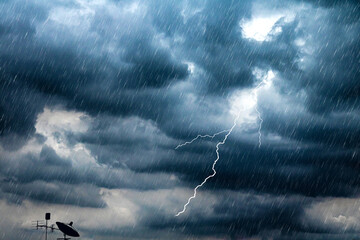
column 96, row 95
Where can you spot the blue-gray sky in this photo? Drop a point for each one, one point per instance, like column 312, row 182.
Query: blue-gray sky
column 96, row 95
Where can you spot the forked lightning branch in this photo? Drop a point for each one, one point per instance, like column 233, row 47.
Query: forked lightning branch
column 254, row 96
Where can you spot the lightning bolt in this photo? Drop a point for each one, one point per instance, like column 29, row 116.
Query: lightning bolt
column 213, row 166
column 260, row 124
column 255, row 97
column 228, row 132
column 201, row 136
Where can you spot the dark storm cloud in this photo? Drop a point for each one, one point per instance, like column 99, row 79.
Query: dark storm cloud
column 49, row 157
column 16, row 101
column 56, row 192
column 36, row 73
column 309, row 172
column 223, row 54
column 330, row 3
column 150, row 68
column 49, row 167
column 238, row 215
column 130, row 74
column 50, row 178
column 332, row 130
column 72, row 75
column 331, row 79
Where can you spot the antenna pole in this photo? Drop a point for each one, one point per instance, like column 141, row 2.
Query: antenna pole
column 46, row 227
column 47, row 217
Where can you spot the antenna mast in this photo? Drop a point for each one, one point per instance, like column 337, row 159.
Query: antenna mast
column 40, row 224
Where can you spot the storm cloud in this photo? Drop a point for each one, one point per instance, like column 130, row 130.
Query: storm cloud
column 96, row 95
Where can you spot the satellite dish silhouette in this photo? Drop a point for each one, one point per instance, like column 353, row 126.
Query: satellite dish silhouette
column 67, row 229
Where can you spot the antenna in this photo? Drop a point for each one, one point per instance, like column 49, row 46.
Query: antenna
column 41, row 224
column 66, row 229
column 47, row 217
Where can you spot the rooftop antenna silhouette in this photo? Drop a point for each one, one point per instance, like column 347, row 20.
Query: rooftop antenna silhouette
column 66, row 229
column 41, row 224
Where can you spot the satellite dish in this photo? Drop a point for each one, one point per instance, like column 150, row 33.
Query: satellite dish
column 67, row 229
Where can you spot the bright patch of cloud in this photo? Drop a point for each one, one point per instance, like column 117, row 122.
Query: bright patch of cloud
column 258, row 28
column 339, row 214
column 245, row 100
column 266, row 23
column 55, row 124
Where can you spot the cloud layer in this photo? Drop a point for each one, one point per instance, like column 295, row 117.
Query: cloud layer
column 96, row 95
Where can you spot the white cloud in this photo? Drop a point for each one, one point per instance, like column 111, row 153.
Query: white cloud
column 262, row 25
column 339, row 214
column 54, row 124
column 258, row 28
